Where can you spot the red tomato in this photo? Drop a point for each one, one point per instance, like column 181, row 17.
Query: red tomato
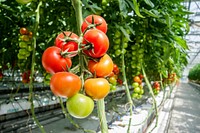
column 156, row 84
column 80, row 106
column 102, row 68
column 65, row 84
column 23, row 31
column 119, row 81
column 94, row 19
column 115, row 69
column 97, row 88
column 53, row 62
column 26, row 76
column 98, row 42
column 141, row 76
column 64, row 44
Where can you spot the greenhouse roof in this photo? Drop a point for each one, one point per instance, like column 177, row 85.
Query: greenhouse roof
column 193, row 37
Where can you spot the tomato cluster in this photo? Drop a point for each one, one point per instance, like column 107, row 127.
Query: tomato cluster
column 92, row 45
column 156, row 87
column 138, row 90
column 114, row 79
column 26, row 76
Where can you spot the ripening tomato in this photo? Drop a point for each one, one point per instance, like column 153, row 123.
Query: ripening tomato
column 65, row 84
column 97, row 88
column 156, row 84
column 63, row 43
column 80, row 106
column 115, row 69
column 101, row 68
column 23, row 31
column 141, row 76
column 137, row 79
column 53, row 62
column 97, row 41
column 94, row 19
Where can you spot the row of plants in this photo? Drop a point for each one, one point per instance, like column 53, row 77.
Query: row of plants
column 194, row 74
column 91, row 47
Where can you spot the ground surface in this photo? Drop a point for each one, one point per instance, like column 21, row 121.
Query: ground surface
column 185, row 116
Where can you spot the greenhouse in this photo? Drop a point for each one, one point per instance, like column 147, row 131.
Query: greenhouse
column 99, row 66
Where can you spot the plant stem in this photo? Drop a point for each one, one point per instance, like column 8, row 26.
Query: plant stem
column 102, row 115
column 127, row 89
column 31, row 95
column 153, row 97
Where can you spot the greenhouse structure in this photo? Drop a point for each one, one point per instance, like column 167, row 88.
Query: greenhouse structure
column 99, row 66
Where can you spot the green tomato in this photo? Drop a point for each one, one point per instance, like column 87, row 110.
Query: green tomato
column 113, row 87
column 118, row 34
column 113, row 80
column 116, row 47
column 117, row 41
column 125, row 45
column 23, row 45
column 141, row 91
column 23, row 1
column 136, row 89
column 80, row 106
column 139, row 96
column 118, row 52
column 134, row 95
column 135, row 84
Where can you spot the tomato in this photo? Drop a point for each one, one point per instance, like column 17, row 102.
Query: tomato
column 157, row 88
column 101, row 68
column 97, row 41
column 80, row 106
column 135, row 84
column 23, row 31
column 141, row 76
column 113, row 87
column 25, row 38
column 141, row 91
column 119, row 81
column 1, row 75
column 97, row 88
column 63, row 43
column 65, row 84
column 136, row 89
column 137, row 79
column 26, row 76
column 112, row 80
column 53, row 62
column 134, row 95
column 23, row 45
column 116, row 69
column 156, row 84
column 97, row 20
column 23, row 1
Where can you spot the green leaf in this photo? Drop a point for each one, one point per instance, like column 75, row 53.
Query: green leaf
column 125, row 33
column 168, row 20
column 148, row 2
column 181, row 42
column 122, row 7
column 150, row 13
column 136, row 8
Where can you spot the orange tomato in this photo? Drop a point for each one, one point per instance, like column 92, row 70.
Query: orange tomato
column 137, row 79
column 101, row 68
column 97, row 88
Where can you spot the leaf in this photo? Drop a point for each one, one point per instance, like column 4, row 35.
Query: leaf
column 181, row 42
column 157, row 35
column 125, row 33
column 136, row 9
column 148, row 2
column 150, row 13
column 122, row 7
column 168, row 20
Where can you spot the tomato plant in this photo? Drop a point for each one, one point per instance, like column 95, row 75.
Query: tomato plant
column 80, row 106
column 96, row 21
column 67, row 41
column 65, row 84
column 101, row 68
column 97, row 88
column 96, row 43
column 53, row 61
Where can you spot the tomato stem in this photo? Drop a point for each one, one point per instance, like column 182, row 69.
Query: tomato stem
column 102, row 115
column 126, row 88
column 31, row 94
column 152, row 95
